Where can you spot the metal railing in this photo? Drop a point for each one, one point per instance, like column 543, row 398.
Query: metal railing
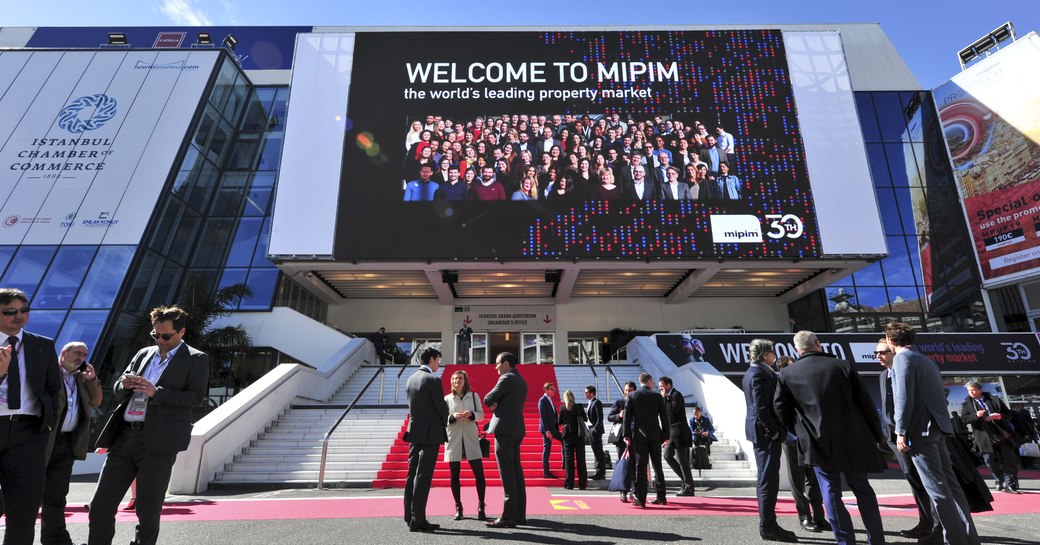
column 621, row 390
column 381, row 371
column 620, row 351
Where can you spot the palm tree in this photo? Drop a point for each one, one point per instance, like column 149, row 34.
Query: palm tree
column 204, row 305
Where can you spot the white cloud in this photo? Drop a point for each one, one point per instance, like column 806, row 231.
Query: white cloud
column 182, row 12
column 229, row 12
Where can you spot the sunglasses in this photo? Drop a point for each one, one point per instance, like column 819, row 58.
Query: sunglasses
column 14, row 311
column 879, row 352
column 165, row 336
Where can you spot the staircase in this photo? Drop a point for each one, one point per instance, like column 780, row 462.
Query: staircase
column 288, row 452
column 482, row 379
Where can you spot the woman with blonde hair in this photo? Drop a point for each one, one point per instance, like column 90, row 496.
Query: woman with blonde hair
column 572, row 420
column 465, row 411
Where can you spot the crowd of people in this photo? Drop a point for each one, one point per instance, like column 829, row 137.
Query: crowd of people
column 816, row 408
column 566, row 159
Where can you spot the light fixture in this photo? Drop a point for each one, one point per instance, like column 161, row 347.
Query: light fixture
column 982, row 46
column 230, row 42
column 117, row 39
column 203, row 39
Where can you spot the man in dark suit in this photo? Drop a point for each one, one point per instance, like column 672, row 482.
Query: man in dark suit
column 762, row 427
column 926, row 522
column 30, row 388
column 921, row 427
column 640, row 188
column 595, row 415
column 988, row 417
column 548, row 426
column 680, row 436
column 150, row 425
column 506, row 400
column 428, row 416
column 825, row 402
column 69, row 439
column 713, row 157
column 645, row 422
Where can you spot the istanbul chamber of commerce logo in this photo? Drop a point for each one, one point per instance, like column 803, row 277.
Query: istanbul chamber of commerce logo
column 102, row 109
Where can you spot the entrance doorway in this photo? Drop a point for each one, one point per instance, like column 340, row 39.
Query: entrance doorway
column 528, row 347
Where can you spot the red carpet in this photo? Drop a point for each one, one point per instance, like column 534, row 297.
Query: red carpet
column 540, row 502
column 482, row 379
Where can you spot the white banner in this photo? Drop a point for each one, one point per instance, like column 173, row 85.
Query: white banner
column 505, row 318
column 88, row 138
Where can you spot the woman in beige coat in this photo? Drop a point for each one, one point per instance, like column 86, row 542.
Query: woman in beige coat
column 465, row 411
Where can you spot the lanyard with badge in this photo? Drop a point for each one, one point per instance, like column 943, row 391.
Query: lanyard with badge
column 139, row 401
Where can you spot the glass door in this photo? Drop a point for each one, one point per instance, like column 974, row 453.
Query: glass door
column 478, row 350
column 537, row 347
column 583, row 351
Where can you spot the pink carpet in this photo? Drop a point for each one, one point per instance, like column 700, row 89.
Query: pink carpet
column 540, row 502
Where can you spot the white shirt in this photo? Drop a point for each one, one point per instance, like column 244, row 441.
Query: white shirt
column 30, row 403
column 71, row 399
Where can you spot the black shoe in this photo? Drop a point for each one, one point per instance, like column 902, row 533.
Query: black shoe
column 778, row 534
column 458, row 511
column 1010, row 490
column 933, row 537
column 624, row 497
column 548, row 475
column 808, row 525
column 423, row 527
column 659, row 501
column 687, row 491
column 1000, row 486
column 521, row 521
column 917, row 532
column 568, row 487
column 598, row 476
column 823, row 525
column 501, row 523
column 638, row 503
column 480, row 512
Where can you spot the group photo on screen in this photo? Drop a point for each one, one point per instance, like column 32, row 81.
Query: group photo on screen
column 566, row 159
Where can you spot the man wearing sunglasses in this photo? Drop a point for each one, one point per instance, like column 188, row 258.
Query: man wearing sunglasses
column 29, row 390
column 150, row 425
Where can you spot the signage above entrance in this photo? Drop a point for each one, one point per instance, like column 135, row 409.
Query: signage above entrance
column 505, row 318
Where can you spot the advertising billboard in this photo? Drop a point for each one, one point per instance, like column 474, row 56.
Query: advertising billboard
column 88, row 138
column 991, row 122
column 955, row 353
column 722, row 98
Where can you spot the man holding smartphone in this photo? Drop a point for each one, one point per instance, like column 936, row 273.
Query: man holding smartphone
column 69, row 439
column 150, row 425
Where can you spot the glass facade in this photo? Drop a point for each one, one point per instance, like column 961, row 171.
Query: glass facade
column 928, row 278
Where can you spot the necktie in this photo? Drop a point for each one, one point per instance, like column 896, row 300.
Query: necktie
column 14, row 377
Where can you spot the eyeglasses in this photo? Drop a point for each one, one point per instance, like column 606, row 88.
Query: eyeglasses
column 14, row 311
column 879, row 352
column 165, row 336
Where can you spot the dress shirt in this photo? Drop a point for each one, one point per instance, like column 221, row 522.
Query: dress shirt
column 153, row 371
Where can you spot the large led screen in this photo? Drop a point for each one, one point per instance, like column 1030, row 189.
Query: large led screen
column 991, row 120
column 520, row 145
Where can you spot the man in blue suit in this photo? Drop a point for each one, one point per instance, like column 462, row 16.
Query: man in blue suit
column 426, row 432
column 921, row 424
column 548, row 427
column 762, row 427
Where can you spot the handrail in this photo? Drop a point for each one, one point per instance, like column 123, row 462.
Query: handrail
column 617, row 383
column 589, row 359
column 617, row 354
column 328, row 435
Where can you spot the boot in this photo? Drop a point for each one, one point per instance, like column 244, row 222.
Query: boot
column 480, row 512
column 458, row 511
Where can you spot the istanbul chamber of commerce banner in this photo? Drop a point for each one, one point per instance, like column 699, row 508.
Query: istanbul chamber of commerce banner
column 991, row 120
column 963, row 353
column 490, row 97
column 88, row 138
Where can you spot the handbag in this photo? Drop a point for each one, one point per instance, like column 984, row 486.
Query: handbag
column 485, row 444
column 615, row 433
column 617, row 480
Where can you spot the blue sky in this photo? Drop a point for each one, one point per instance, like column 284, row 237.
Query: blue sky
column 927, row 34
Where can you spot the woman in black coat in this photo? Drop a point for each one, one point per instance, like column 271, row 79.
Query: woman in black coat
column 572, row 420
